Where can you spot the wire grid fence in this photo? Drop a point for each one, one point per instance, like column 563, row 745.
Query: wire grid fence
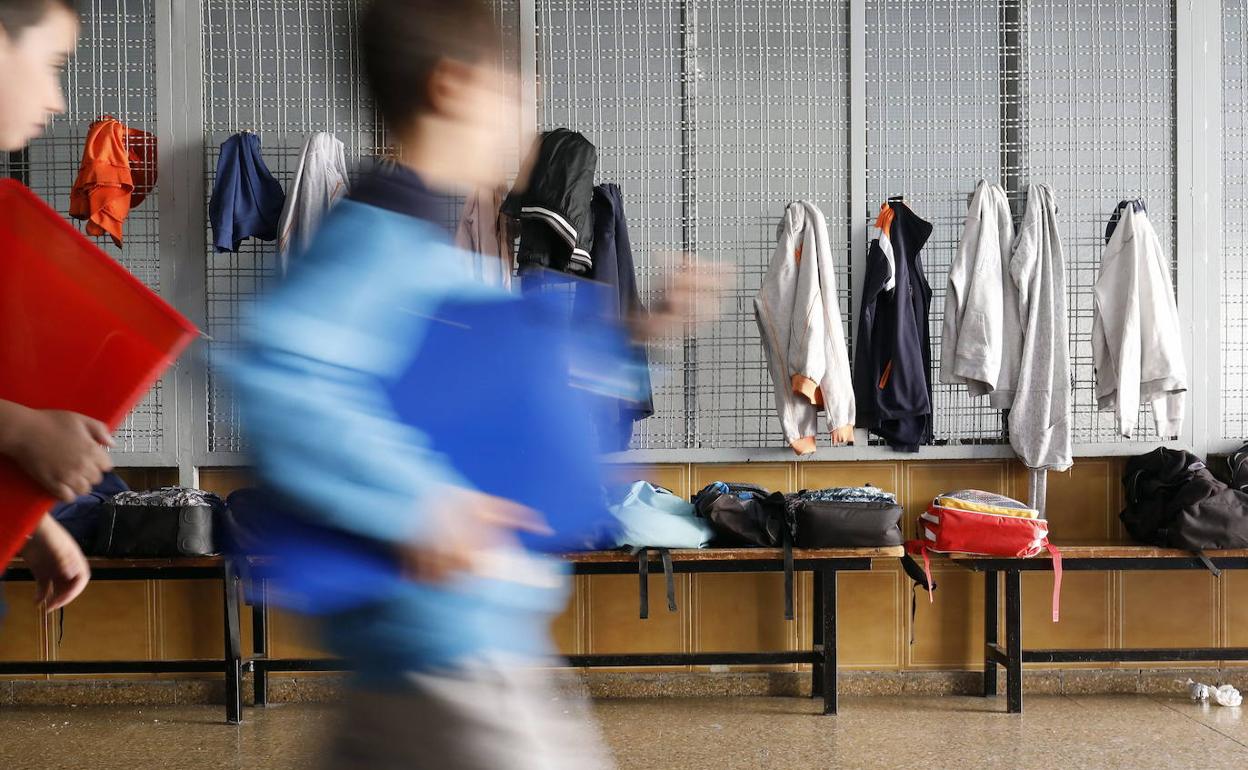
column 711, row 117
column 613, row 72
column 771, row 126
column 1101, row 125
column 112, row 73
column 283, row 69
column 939, row 81
column 1079, row 95
column 1234, row 279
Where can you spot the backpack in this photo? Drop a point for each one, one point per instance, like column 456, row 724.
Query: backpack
column 846, row 517
column 743, row 514
column 653, row 517
column 81, row 518
column 983, row 523
column 167, row 522
column 1174, row 501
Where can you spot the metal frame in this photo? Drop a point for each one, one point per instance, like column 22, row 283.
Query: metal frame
column 179, row 89
column 1011, row 656
column 230, row 664
column 822, row 656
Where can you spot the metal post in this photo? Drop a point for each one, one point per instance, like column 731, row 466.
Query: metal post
column 1038, row 489
column 816, row 632
column 859, row 206
column 233, row 646
column 829, row 639
column 991, row 611
column 689, row 198
column 260, row 644
column 1014, row 641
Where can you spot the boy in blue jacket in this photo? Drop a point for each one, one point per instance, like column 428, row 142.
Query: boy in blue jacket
column 442, row 679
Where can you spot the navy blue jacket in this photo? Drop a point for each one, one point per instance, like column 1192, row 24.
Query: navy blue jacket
column 613, row 265
column 893, row 353
column 246, row 200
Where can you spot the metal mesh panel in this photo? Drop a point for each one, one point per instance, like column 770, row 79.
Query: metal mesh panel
column 612, row 71
column 112, row 73
column 1234, row 294
column 936, row 94
column 772, row 126
column 1101, row 124
column 1078, row 95
column 283, row 69
column 710, row 134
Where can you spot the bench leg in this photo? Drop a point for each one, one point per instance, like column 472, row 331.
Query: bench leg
column 260, row 645
column 233, row 647
column 1014, row 641
column 828, row 593
column 816, row 630
column 991, row 611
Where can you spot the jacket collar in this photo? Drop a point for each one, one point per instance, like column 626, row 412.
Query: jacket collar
column 395, row 187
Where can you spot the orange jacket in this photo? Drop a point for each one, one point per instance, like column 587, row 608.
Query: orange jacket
column 118, row 171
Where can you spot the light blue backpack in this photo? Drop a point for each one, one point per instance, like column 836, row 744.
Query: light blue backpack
column 652, row 517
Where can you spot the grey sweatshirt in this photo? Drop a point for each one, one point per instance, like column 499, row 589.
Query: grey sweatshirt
column 1136, row 340
column 799, row 321
column 982, row 336
column 320, row 180
column 1040, row 417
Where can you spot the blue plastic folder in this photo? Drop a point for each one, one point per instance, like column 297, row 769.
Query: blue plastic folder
column 506, row 389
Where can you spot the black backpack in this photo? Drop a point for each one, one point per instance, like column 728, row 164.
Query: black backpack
column 1174, row 501
column 744, row 514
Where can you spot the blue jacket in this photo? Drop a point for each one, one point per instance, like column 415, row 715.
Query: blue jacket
column 311, row 378
column 246, row 200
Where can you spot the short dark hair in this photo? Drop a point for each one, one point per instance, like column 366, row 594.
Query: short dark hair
column 402, row 42
column 16, row 16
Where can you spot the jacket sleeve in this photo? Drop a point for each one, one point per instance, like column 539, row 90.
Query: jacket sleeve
column 1117, row 300
column 805, row 354
column 311, row 383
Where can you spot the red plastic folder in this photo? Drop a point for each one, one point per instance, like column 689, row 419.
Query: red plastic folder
column 77, row 332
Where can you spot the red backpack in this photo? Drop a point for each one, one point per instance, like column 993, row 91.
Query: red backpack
column 985, row 524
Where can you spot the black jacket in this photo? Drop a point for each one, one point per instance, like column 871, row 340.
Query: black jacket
column 613, row 265
column 556, row 226
column 893, row 353
column 1174, row 501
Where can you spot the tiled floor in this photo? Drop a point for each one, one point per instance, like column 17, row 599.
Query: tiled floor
column 1137, row 732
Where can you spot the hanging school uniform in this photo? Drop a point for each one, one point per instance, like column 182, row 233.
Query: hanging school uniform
column 893, row 355
column 487, row 233
column 556, row 227
column 799, row 321
column 320, row 181
column 117, row 173
column 613, row 265
column 1039, row 420
column 1136, row 343
column 247, row 201
column 982, row 338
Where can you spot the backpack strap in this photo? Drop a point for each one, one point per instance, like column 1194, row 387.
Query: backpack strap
column 1209, row 565
column 1057, row 578
column 643, row 589
column 666, row 555
column 788, row 573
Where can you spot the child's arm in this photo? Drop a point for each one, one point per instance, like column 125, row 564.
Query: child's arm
column 311, row 383
column 62, row 451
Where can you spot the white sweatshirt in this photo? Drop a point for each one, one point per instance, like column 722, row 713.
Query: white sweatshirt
column 1136, row 342
column 799, row 321
column 982, row 336
column 320, row 180
column 1039, row 420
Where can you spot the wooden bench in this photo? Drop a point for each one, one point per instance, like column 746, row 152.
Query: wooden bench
column 192, row 568
column 824, row 563
column 1086, row 557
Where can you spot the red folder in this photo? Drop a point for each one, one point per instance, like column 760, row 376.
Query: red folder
column 77, row 332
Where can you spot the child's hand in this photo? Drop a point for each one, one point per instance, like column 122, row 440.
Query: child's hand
column 691, row 295
column 60, row 569
column 466, row 524
column 62, row 451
